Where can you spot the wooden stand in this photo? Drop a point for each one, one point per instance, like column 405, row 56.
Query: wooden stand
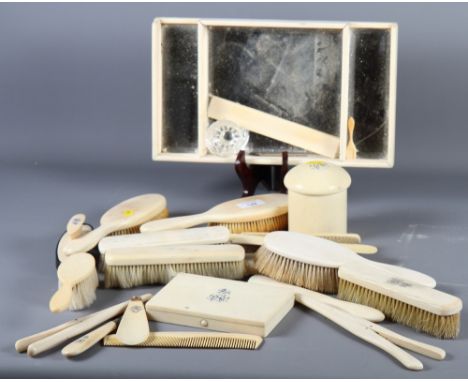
column 271, row 177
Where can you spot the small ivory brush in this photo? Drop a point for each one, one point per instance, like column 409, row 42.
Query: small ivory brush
column 425, row 309
column 370, row 332
column 193, row 340
column 310, row 262
column 125, row 217
column 78, row 281
column 126, row 268
column 259, row 213
column 85, row 342
column 357, row 310
column 87, row 323
column 134, row 327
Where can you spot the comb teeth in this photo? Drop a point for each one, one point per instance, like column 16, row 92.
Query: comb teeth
column 274, row 223
column 128, row 276
column 401, row 312
column 193, row 340
column 320, row 279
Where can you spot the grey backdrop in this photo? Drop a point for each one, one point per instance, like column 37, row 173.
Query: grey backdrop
column 75, row 136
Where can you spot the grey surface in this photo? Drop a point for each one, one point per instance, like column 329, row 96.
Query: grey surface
column 75, row 136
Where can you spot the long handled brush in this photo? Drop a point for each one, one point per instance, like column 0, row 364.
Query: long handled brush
column 428, row 310
column 259, row 213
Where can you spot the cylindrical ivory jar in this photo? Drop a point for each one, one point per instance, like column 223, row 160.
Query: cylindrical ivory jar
column 317, row 198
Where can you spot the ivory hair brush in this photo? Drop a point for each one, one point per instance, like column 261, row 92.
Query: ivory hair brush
column 425, row 309
column 193, row 340
column 310, row 262
column 158, row 265
column 78, row 281
column 125, row 217
column 259, row 213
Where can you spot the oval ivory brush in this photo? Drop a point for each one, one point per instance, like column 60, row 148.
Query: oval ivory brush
column 127, row 215
column 357, row 310
column 85, row 342
column 259, row 213
column 351, row 150
column 257, row 239
column 133, row 328
column 309, row 262
column 78, row 281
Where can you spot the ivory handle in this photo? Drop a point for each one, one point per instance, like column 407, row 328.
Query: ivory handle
column 83, row 343
column 56, row 339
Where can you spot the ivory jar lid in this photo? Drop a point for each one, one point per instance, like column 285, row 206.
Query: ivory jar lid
column 317, row 178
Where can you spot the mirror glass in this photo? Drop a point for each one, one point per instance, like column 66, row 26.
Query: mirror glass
column 180, row 93
column 294, row 74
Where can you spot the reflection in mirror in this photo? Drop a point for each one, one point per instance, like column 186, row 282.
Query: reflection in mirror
column 291, row 73
column 369, row 90
column 180, row 110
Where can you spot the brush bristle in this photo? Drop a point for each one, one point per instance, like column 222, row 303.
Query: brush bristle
column 136, row 229
column 208, row 341
column 84, row 293
column 401, row 312
column 130, row 231
column 128, row 276
column 274, row 223
column 280, row 268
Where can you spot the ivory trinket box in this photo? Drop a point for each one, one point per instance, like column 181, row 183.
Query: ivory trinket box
column 220, row 304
